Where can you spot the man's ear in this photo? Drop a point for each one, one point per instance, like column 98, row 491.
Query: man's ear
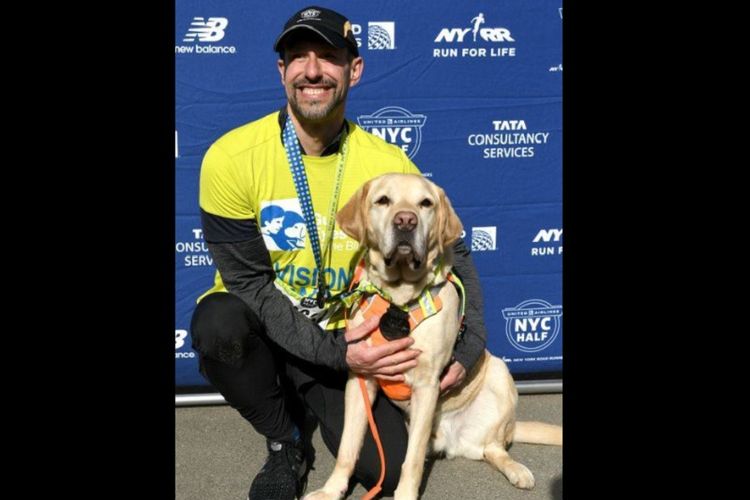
column 282, row 69
column 352, row 218
column 449, row 225
column 356, row 68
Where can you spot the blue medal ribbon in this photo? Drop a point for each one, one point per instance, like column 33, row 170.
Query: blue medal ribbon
column 297, row 168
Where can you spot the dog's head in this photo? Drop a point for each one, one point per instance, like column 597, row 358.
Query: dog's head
column 404, row 220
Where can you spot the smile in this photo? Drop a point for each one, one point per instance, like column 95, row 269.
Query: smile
column 309, row 91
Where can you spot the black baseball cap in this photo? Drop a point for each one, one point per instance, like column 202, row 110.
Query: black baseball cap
column 328, row 24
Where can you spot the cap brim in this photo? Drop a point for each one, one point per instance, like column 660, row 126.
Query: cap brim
column 339, row 43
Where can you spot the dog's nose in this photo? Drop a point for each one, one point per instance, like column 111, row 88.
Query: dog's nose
column 405, row 221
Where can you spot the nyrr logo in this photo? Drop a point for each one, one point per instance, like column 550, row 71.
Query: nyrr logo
column 208, row 32
column 478, row 33
column 483, row 238
column 547, row 236
column 397, row 126
column 381, row 35
column 532, row 325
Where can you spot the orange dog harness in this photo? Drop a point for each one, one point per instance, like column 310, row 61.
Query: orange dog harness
column 373, row 303
column 376, row 305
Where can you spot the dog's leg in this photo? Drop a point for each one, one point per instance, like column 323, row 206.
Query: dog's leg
column 518, row 474
column 352, row 437
column 422, row 411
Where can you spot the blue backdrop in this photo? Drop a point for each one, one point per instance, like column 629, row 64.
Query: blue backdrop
column 472, row 91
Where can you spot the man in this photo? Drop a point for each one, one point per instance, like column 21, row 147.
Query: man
column 276, row 345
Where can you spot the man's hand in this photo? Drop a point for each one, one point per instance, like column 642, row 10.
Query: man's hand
column 387, row 361
column 453, row 376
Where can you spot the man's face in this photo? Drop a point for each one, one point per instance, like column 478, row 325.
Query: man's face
column 317, row 77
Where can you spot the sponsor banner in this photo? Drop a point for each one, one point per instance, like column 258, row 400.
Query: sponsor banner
column 471, row 92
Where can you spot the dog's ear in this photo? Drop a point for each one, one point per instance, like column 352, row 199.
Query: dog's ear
column 352, row 218
column 449, row 225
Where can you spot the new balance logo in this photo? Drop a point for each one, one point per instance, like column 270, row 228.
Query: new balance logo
column 179, row 338
column 206, row 31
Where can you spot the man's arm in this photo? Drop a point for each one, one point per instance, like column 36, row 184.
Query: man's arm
column 472, row 344
column 246, row 270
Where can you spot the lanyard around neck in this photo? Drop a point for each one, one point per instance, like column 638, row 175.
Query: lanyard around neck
column 297, row 167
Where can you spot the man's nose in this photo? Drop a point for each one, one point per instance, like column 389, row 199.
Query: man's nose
column 312, row 68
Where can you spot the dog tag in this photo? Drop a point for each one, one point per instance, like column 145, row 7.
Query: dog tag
column 394, row 324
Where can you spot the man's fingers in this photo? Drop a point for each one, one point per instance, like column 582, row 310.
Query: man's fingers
column 453, row 377
column 398, row 368
column 390, row 378
column 397, row 358
column 361, row 331
column 447, row 381
column 390, row 347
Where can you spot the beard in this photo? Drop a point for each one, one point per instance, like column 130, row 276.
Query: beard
column 317, row 110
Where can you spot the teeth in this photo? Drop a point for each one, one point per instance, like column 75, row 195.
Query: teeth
column 310, row 91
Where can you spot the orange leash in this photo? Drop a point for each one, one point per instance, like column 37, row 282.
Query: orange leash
column 374, row 429
column 368, row 407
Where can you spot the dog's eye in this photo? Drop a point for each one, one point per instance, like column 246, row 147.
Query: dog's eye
column 426, row 203
column 383, row 200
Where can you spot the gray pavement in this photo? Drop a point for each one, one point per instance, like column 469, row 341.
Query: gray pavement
column 217, row 454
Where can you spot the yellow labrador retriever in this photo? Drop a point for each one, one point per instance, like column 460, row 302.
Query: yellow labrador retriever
column 407, row 225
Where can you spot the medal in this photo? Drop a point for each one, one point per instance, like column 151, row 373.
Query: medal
column 394, row 324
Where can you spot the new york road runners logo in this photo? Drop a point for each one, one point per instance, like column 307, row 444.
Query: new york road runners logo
column 474, row 41
column 397, row 126
column 532, row 325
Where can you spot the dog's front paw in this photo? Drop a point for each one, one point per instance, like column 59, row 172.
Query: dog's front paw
column 322, row 495
column 519, row 476
column 402, row 493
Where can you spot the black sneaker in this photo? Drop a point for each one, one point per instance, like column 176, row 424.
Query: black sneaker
column 284, row 475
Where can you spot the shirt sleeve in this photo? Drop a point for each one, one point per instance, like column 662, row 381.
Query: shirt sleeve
column 222, row 191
